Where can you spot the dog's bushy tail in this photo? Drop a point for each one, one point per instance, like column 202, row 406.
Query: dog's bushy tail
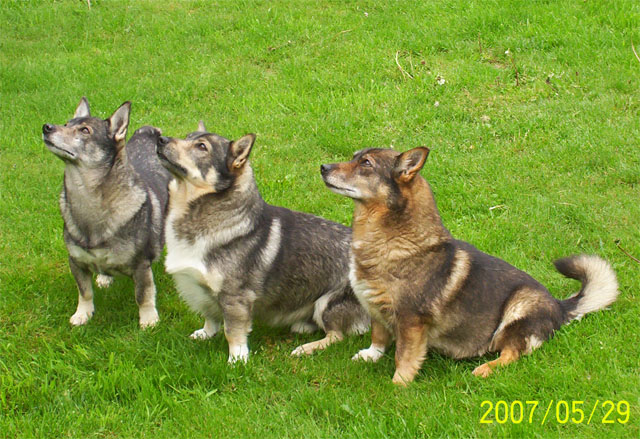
column 599, row 285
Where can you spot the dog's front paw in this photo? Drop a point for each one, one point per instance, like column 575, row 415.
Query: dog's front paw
column 82, row 316
column 148, row 317
column 104, row 281
column 372, row 354
column 399, row 380
column 238, row 353
column 201, row 334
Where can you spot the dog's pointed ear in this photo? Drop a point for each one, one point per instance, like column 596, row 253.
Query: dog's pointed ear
column 409, row 163
column 83, row 109
column 240, row 150
column 119, row 122
column 201, row 127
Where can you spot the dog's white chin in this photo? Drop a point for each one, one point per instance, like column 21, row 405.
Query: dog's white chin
column 60, row 152
column 347, row 192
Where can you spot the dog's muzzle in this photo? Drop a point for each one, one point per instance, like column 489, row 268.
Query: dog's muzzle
column 162, row 142
column 325, row 169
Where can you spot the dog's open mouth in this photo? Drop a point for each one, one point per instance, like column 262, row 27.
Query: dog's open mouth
column 57, row 150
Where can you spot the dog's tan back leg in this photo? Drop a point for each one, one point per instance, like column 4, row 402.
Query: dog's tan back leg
column 309, row 348
column 411, row 349
column 507, row 355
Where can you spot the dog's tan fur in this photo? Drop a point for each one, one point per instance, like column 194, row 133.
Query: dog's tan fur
column 427, row 289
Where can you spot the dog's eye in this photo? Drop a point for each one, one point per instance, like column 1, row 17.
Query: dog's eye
column 201, row 147
column 366, row 163
column 85, row 130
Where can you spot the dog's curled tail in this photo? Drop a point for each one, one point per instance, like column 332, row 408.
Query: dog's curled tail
column 599, row 285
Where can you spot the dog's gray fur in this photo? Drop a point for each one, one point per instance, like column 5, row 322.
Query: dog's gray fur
column 235, row 258
column 113, row 203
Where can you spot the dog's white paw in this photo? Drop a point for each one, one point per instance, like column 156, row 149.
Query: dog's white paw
column 201, row 334
column 298, row 352
column 210, row 328
column 104, row 281
column 372, row 354
column 238, row 353
column 82, row 315
column 148, row 317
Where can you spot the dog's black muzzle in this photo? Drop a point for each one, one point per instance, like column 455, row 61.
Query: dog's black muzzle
column 162, row 142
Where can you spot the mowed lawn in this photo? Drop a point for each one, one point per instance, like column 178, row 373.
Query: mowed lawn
column 532, row 114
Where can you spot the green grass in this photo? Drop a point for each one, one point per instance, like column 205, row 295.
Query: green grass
column 535, row 155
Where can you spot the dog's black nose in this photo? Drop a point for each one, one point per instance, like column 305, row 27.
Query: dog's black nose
column 163, row 140
column 47, row 128
column 324, row 169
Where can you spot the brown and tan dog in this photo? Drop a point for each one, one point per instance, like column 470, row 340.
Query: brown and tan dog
column 430, row 290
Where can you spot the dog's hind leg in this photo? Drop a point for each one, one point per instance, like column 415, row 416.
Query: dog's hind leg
column 211, row 328
column 411, row 349
column 528, row 320
column 338, row 313
column 507, row 355
column 145, row 295
column 309, row 348
column 304, row 327
column 85, row 294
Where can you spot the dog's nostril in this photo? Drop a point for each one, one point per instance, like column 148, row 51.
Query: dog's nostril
column 47, row 128
column 163, row 140
column 324, row 169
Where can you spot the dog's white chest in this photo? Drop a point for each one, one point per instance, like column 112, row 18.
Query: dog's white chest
column 363, row 291
column 360, row 287
column 183, row 255
column 197, row 283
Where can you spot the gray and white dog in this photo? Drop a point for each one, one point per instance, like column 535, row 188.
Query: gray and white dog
column 113, row 203
column 235, row 258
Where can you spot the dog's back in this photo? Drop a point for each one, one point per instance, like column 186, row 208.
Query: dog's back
column 313, row 253
column 141, row 152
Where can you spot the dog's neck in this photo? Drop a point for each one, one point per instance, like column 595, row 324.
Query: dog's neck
column 200, row 211
column 402, row 231
column 96, row 202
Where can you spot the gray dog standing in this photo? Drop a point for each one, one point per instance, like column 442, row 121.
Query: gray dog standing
column 113, row 204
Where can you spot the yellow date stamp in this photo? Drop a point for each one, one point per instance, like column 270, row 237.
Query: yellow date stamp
column 559, row 411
